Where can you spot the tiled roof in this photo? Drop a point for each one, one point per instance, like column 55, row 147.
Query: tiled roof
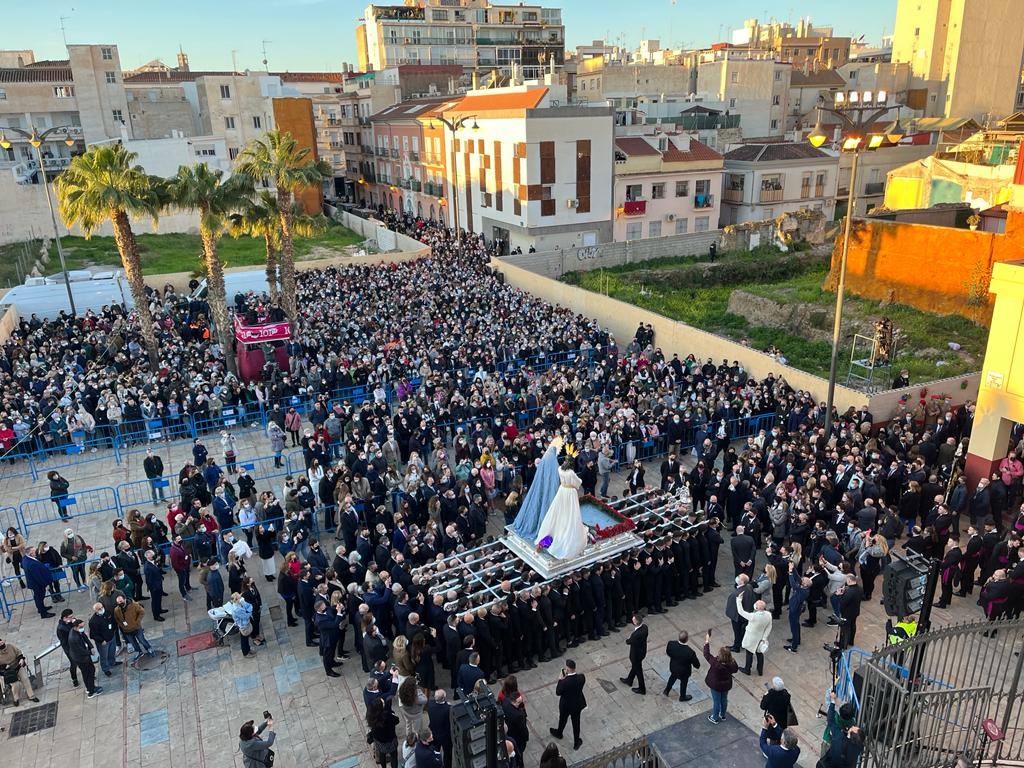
column 496, row 102
column 411, row 109
column 36, row 75
column 173, row 76
column 634, row 146
column 767, row 153
column 45, row 63
column 698, row 151
column 825, row 78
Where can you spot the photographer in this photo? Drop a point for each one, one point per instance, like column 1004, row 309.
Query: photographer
column 256, row 751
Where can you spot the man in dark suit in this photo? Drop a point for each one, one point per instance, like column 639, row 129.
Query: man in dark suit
column 306, row 603
column 743, row 552
column 571, row 702
column 327, row 623
column 637, row 642
column 469, row 673
column 682, row 660
column 439, row 718
column 516, row 727
column 428, row 751
column 155, row 584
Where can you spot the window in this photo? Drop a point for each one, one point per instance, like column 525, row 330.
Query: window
column 634, row 192
column 778, row 74
column 225, row 91
column 682, row 226
column 64, row 91
column 229, row 123
column 232, row 152
column 440, row 15
column 529, row 15
column 775, row 124
column 805, row 185
column 700, row 224
column 257, row 121
column 118, row 117
column 775, row 100
column 682, row 188
column 3, row 94
column 654, row 229
column 657, row 191
column 702, row 187
column 732, row 103
column 107, row 54
column 111, row 77
column 735, row 77
column 634, row 230
column 547, row 207
column 206, row 151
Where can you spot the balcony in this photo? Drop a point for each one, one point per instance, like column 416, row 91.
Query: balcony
column 394, row 154
column 702, row 202
column 634, row 208
column 819, row 190
column 382, row 152
column 772, row 195
column 733, row 195
column 415, row 185
column 366, row 149
column 336, row 122
column 364, row 121
column 874, row 188
column 337, row 145
column 414, row 156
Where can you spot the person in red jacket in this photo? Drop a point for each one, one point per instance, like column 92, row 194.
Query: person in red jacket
column 181, row 562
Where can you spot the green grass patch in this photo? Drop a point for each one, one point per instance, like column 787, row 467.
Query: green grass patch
column 16, row 260
column 706, row 307
column 173, row 252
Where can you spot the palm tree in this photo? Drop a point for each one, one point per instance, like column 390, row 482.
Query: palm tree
column 277, row 159
column 259, row 219
column 205, row 191
column 104, row 184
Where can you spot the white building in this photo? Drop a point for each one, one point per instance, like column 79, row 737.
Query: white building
column 665, row 184
column 532, row 173
column 752, row 84
column 763, row 181
column 163, row 157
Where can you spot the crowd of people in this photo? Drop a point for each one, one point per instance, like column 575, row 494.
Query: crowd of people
column 467, row 381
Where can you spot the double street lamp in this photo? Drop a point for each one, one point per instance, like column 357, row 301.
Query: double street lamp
column 453, row 126
column 857, row 112
column 36, row 139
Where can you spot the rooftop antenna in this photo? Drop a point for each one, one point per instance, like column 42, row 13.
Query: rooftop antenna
column 64, row 31
column 265, row 54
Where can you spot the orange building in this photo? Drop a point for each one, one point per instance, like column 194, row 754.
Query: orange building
column 295, row 115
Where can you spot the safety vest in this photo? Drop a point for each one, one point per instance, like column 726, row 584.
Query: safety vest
column 902, row 630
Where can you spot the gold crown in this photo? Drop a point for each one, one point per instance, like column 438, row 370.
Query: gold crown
column 570, row 450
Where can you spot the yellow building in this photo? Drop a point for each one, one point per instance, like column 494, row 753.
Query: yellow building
column 966, row 56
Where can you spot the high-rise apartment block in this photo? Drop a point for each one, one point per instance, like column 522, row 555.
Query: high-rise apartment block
column 473, row 34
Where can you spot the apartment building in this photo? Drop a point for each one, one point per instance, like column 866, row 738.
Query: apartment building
column 601, row 79
column 764, row 180
column 85, row 92
column 473, row 34
column 966, row 56
column 806, row 89
column 803, row 45
column 666, row 183
column 753, row 84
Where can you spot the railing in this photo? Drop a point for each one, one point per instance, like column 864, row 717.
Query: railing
column 364, row 121
column 819, row 190
column 772, row 195
column 382, row 152
column 638, row 753
column 394, row 154
column 366, row 149
column 733, row 195
column 414, row 156
column 874, row 188
column 337, row 145
column 415, row 185
column 634, row 207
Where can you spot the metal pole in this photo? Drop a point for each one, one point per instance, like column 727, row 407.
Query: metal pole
column 839, row 299
column 56, row 232
column 455, row 182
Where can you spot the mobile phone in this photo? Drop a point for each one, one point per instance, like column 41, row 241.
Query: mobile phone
column 266, row 714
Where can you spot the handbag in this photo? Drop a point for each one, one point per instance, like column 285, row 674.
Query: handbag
column 791, row 716
column 245, row 631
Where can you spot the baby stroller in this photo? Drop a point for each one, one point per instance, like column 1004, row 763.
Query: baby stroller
column 223, row 624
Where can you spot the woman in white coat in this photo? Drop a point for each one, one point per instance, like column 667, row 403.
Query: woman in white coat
column 755, row 639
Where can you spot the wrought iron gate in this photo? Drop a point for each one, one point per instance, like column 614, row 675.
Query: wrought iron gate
column 923, row 701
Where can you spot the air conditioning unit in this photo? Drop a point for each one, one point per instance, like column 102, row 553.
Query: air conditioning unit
column 570, row 203
column 670, row 217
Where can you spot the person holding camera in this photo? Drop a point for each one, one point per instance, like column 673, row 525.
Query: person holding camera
column 783, row 754
column 256, row 750
column 571, row 702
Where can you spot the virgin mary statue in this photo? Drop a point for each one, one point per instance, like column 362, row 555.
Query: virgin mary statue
column 540, row 495
column 563, row 523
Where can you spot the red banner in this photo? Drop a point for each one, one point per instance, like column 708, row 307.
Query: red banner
column 257, row 334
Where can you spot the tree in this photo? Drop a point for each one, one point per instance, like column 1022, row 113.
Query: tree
column 276, row 159
column 104, row 184
column 204, row 190
column 259, row 219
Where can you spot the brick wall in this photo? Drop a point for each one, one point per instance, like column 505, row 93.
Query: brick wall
column 937, row 269
column 586, row 258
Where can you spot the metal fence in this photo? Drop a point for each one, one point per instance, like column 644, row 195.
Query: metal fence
column 639, row 753
column 923, row 701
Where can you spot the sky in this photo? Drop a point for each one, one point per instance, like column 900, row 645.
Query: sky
column 319, row 34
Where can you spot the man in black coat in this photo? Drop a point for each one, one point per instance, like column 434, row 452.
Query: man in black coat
column 439, row 718
column 637, row 642
column 155, row 584
column 306, row 605
column 327, row 623
column 571, row 702
column 469, row 673
column 516, row 727
column 682, row 660
column 744, row 552
column 850, row 598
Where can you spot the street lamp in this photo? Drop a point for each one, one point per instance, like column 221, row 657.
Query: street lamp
column 453, row 126
column 36, row 139
column 857, row 112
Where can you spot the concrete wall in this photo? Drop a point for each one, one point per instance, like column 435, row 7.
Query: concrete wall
column 936, row 269
column 386, row 239
column 586, row 258
column 8, row 321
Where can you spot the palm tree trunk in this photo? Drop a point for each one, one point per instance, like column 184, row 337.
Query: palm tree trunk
column 272, row 284
column 287, row 255
column 217, row 297
column 129, row 250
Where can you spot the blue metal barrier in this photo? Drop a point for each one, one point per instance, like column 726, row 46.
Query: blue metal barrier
column 9, row 517
column 19, row 463
column 90, row 501
column 139, row 492
column 73, row 453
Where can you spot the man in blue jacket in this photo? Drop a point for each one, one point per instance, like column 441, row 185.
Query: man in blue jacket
column 845, row 743
column 783, row 755
column 800, row 590
column 38, row 578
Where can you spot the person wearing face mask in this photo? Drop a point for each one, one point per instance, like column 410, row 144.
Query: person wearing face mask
column 103, row 632
column 14, row 673
column 128, row 615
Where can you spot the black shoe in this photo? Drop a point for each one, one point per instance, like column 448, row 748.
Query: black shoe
column 332, row 673
column 942, row 605
column 45, row 615
column 637, row 690
column 16, row 703
column 790, row 648
column 293, row 623
column 159, row 618
column 107, row 672
column 625, row 680
column 34, row 699
column 734, row 649
column 556, row 734
column 75, row 683
column 687, row 697
column 57, row 599
column 806, row 624
column 745, row 671
column 833, row 621
column 577, row 744
column 312, row 645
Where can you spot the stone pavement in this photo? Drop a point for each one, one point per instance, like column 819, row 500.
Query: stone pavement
column 187, row 711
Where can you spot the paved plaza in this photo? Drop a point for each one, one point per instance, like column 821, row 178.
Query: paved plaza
column 187, row 710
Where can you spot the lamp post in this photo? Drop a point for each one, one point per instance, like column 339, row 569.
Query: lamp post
column 857, row 112
column 453, row 126
column 36, row 139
